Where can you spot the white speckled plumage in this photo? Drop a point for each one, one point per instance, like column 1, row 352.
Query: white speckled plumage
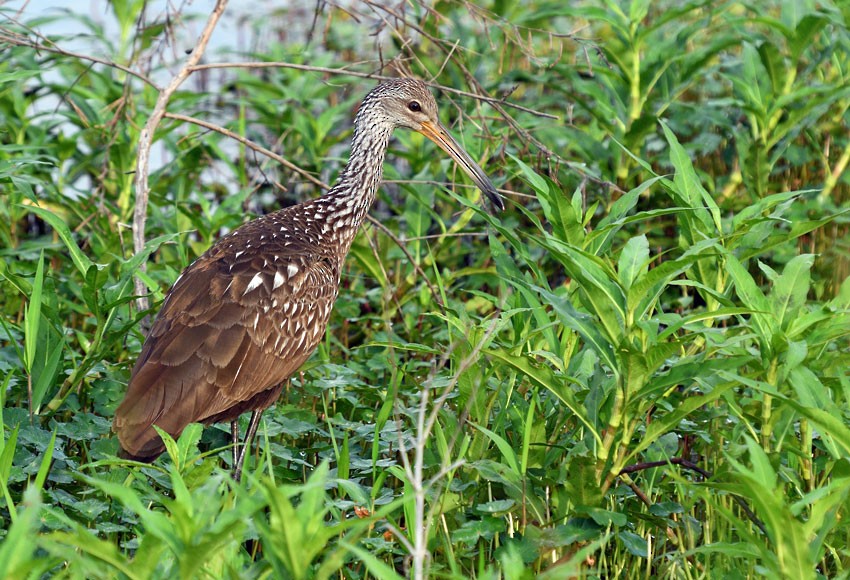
column 247, row 313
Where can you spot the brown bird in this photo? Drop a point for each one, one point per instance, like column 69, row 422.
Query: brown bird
column 244, row 316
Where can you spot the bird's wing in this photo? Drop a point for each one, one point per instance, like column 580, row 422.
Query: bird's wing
column 228, row 332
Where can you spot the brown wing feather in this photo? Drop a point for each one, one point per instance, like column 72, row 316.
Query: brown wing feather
column 229, row 332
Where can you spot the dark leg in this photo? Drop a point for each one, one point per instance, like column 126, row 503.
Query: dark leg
column 249, row 436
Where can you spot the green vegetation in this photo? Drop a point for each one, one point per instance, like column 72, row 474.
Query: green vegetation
column 640, row 369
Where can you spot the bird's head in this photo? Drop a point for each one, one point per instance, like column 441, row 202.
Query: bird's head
column 407, row 102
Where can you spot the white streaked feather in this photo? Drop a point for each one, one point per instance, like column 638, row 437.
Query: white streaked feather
column 254, row 283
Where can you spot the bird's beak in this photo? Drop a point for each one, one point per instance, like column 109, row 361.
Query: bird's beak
column 439, row 135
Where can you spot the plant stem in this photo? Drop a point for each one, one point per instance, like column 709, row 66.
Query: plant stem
column 610, row 433
column 767, row 408
column 806, row 453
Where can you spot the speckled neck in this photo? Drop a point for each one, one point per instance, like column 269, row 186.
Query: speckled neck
column 346, row 204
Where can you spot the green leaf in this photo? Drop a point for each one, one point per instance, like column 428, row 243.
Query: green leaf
column 671, row 420
column 790, row 289
column 584, row 324
column 810, row 390
column 378, row 568
column 7, row 453
column 80, row 260
column 762, row 470
column 537, row 182
column 77, row 547
column 842, row 297
column 47, row 374
column 498, row 506
column 753, row 298
column 526, row 433
column 634, row 260
column 343, row 459
column 717, row 314
column 32, row 316
column 294, row 536
column 646, row 289
column 130, row 266
column 603, row 517
column 187, row 443
column 600, row 239
column 473, row 530
column 500, row 473
column 576, row 566
column 691, row 192
column 546, row 378
column 600, row 292
column 582, row 483
column 17, row 550
column 831, row 425
column 46, row 460
column 170, row 446
column 638, row 9
column 807, row 28
column 511, row 273
column 504, row 447
column 773, row 63
column 636, row 545
column 798, row 228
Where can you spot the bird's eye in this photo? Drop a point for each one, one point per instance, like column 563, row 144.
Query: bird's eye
column 414, row 106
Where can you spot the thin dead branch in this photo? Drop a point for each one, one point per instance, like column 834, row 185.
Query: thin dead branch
column 14, row 39
column 251, row 145
column 364, row 75
column 146, row 142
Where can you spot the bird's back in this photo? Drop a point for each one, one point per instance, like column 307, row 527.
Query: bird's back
column 238, row 322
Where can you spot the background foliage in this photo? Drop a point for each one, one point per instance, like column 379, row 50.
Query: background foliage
column 639, row 369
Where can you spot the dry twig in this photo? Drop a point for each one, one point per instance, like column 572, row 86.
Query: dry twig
column 251, row 145
column 146, row 141
column 365, row 75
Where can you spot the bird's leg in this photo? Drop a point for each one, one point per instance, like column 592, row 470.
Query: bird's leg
column 234, row 434
column 249, row 435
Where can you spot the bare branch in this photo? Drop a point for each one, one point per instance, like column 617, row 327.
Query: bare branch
column 415, row 471
column 251, row 145
column 364, row 75
column 146, row 141
column 12, row 38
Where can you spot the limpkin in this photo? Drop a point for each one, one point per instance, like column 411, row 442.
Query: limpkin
column 246, row 314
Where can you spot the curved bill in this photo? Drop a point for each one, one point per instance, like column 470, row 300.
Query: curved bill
column 439, row 135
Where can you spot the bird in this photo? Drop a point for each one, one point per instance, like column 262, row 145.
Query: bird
column 246, row 314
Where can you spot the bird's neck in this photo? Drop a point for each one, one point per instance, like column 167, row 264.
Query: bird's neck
column 349, row 200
